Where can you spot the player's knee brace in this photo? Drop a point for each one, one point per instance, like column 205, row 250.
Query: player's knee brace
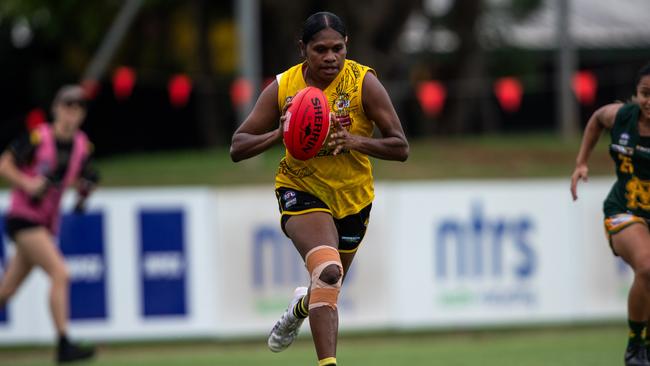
column 325, row 285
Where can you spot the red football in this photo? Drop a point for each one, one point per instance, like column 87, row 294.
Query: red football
column 307, row 123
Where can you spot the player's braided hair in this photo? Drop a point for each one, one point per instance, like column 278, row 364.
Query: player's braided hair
column 319, row 21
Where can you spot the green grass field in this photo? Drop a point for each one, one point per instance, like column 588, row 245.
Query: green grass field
column 594, row 346
column 515, row 156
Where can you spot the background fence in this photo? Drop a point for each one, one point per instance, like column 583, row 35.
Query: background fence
column 167, row 263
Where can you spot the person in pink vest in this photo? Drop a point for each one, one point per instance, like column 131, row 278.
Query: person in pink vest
column 40, row 166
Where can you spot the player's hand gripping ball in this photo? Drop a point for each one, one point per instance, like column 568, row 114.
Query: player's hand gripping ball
column 307, row 123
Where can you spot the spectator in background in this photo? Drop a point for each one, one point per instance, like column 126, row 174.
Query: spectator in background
column 627, row 206
column 324, row 201
column 40, row 166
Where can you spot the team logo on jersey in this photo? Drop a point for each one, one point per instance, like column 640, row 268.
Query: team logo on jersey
column 638, row 194
column 342, row 102
column 342, row 110
column 624, row 138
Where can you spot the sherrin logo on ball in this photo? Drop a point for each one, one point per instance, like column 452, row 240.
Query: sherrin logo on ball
column 307, row 123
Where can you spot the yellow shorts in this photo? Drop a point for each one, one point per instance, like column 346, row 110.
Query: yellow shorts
column 618, row 222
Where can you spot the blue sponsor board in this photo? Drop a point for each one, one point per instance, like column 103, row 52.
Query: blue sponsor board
column 82, row 244
column 3, row 263
column 162, row 262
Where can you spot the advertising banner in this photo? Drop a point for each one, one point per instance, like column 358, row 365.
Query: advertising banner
column 483, row 253
column 263, row 268
column 140, row 264
column 164, row 263
column 82, row 244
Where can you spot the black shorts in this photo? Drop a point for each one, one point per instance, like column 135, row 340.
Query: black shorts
column 14, row 224
column 351, row 229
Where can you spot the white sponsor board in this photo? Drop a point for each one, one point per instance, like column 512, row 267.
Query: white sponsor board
column 500, row 252
column 436, row 254
column 262, row 267
column 126, row 271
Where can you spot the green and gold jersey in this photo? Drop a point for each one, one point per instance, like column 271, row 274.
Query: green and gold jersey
column 344, row 182
column 631, row 154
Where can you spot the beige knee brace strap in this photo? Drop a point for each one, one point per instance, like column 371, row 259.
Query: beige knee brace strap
column 322, row 293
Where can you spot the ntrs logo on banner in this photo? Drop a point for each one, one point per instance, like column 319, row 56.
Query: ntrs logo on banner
column 484, row 259
column 275, row 261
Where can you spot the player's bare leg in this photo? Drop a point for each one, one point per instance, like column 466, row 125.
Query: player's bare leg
column 324, row 320
column 16, row 272
column 287, row 328
column 633, row 245
column 311, row 234
column 37, row 246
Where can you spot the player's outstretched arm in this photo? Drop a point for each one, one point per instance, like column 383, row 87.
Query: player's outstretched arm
column 602, row 119
column 261, row 129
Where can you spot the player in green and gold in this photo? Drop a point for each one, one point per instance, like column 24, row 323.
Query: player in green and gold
column 627, row 207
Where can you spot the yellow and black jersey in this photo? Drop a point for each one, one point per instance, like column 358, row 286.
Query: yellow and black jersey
column 344, row 182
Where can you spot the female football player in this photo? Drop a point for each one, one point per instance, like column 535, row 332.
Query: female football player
column 627, row 206
column 324, row 201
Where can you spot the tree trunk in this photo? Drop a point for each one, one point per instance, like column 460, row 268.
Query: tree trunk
column 211, row 130
column 281, row 27
column 470, row 89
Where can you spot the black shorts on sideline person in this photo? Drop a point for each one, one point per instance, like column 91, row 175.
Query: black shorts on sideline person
column 15, row 224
